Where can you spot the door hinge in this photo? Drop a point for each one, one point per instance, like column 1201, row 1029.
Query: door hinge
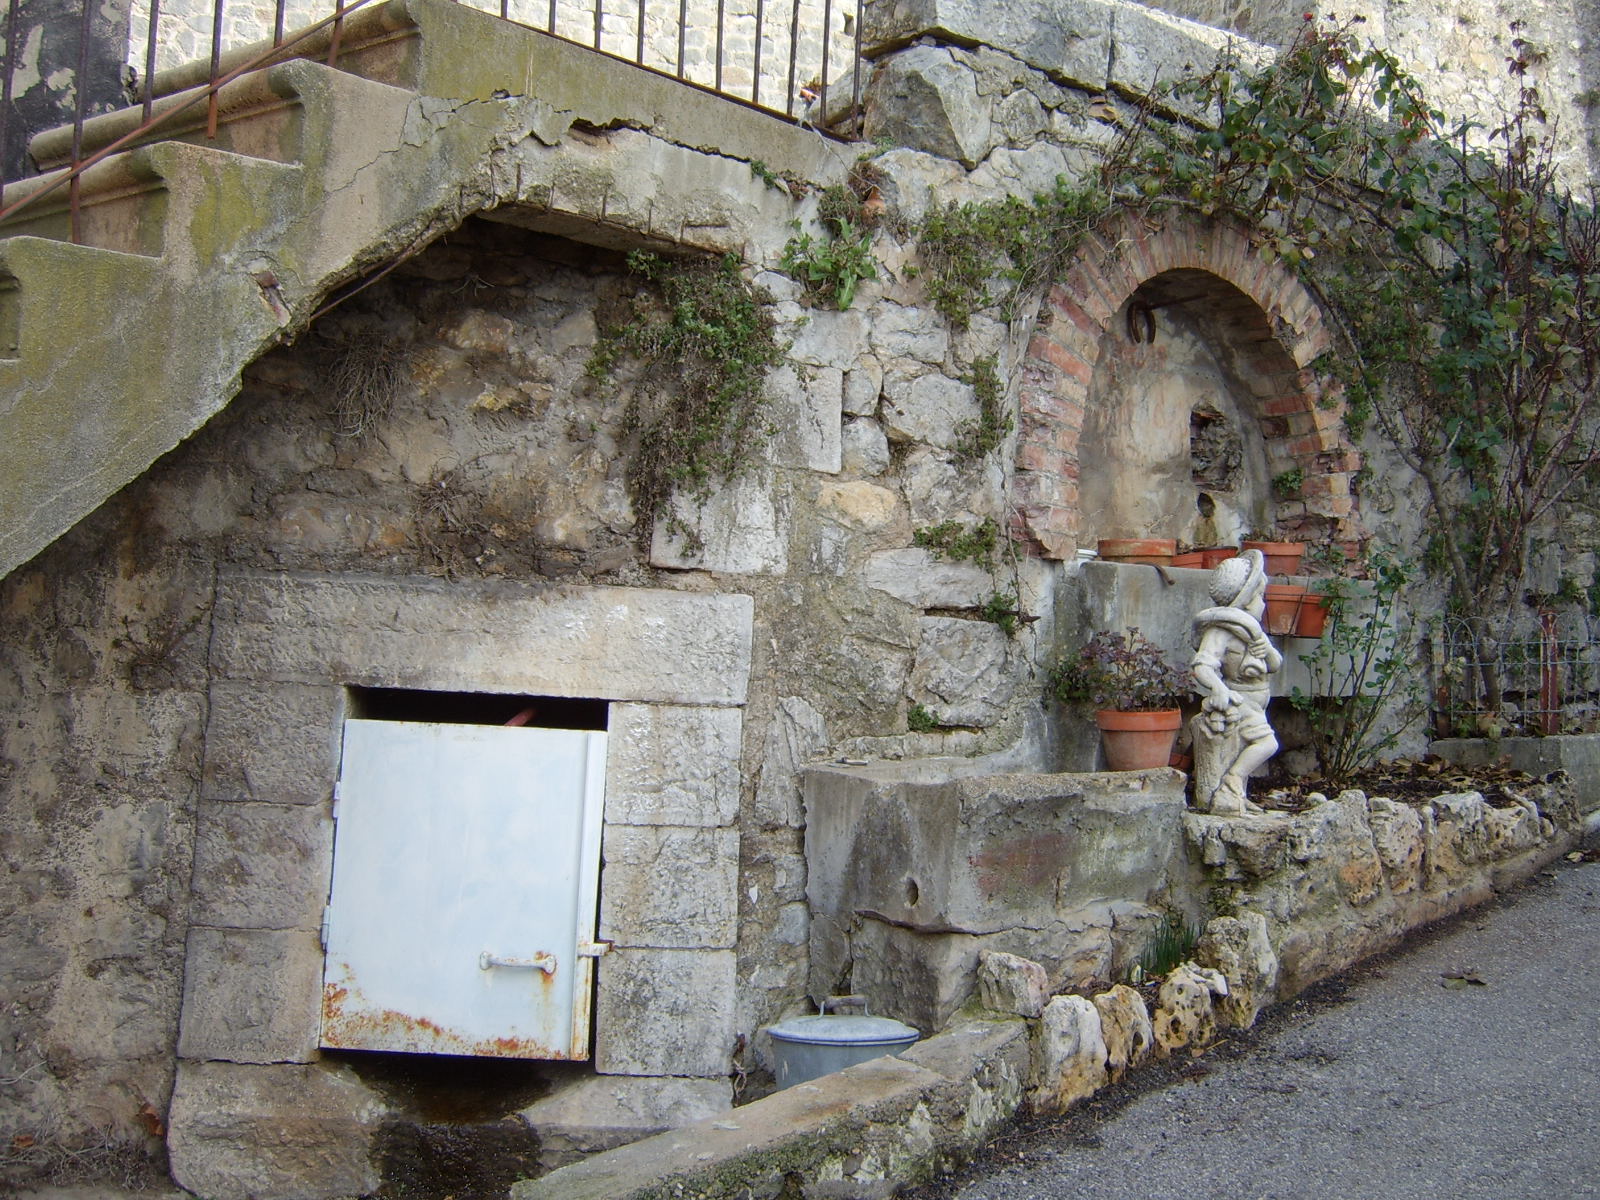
column 595, row 949
column 322, row 933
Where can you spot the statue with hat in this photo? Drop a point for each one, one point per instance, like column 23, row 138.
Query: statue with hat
column 1232, row 663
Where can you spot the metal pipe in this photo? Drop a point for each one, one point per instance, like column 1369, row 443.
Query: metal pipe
column 151, row 37
column 599, row 13
column 855, row 69
column 721, row 21
column 639, row 38
column 822, row 91
column 277, row 23
column 80, row 105
column 338, row 33
column 755, row 73
column 216, row 58
column 683, row 24
column 794, row 46
column 552, row 22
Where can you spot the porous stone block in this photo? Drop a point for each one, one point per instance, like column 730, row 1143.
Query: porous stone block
column 665, row 1012
column 919, row 577
column 667, row 886
column 261, row 866
column 1012, row 984
column 251, row 995
column 965, row 672
column 601, row 1112
column 1239, row 948
column 864, row 449
column 1125, row 1028
column 672, row 765
column 923, row 98
column 805, row 406
column 1071, row 40
column 1397, row 835
column 1069, row 1055
column 240, row 1132
column 797, row 734
column 741, row 529
column 920, row 336
column 928, row 407
column 620, row 643
column 1185, row 1015
column 831, row 339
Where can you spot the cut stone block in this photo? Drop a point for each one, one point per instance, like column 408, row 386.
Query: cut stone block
column 602, row 1112
column 741, row 529
column 277, row 744
column 261, row 866
column 300, row 1133
column 670, row 887
column 251, row 995
column 689, row 998
column 669, row 765
column 614, row 643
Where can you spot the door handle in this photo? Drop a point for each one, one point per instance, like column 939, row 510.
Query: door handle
column 541, row 961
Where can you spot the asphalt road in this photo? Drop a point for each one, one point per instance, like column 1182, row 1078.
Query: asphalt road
column 1393, row 1082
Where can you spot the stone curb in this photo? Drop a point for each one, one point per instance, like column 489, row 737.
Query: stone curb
column 865, row 1132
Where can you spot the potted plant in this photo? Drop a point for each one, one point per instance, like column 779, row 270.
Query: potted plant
column 1134, row 691
column 1157, row 551
column 1282, row 558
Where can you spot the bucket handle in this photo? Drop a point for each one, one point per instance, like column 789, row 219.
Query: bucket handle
column 845, row 1001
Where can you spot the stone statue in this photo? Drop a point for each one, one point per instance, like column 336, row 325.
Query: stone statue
column 1231, row 664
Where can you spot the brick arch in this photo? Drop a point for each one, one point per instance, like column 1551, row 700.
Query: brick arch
column 1271, row 321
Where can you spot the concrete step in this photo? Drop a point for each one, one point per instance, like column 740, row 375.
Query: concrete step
column 282, row 114
column 138, row 201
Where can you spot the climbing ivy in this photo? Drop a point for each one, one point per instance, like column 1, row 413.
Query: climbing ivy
column 1466, row 281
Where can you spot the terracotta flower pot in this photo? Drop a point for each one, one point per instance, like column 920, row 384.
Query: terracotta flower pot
column 1312, row 616
column 1283, row 607
column 1190, row 558
column 1218, row 554
column 1137, row 741
column 1283, row 558
column 1158, row 551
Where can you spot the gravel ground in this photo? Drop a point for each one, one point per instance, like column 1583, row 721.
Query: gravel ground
column 1466, row 1065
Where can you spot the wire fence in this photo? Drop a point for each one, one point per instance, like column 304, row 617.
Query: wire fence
column 1549, row 679
column 784, row 57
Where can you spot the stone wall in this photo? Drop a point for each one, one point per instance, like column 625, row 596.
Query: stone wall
column 426, row 491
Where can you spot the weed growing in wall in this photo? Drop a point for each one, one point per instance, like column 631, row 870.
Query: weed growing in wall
column 978, row 255
column 832, row 266
column 974, row 439
column 706, row 340
column 955, row 542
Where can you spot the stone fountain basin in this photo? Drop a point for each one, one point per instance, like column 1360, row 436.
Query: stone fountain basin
column 916, row 867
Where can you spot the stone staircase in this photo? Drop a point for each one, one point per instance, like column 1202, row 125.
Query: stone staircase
column 199, row 253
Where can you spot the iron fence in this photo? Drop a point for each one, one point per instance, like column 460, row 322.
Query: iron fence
column 783, row 57
column 1549, row 678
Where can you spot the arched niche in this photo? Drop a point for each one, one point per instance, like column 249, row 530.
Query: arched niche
column 1162, row 344
column 1172, row 442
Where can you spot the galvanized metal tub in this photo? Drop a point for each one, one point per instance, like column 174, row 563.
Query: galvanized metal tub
column 807, row 1047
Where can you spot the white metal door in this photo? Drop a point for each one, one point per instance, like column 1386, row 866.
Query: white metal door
column 465, row 867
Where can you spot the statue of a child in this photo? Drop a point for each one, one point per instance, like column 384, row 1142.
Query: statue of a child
column 1232, row 662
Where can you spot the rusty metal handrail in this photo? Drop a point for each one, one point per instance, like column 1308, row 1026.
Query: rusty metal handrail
column 208, row 93
column 813, row 94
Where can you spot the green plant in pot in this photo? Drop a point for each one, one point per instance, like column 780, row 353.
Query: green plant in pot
column 1134, row 691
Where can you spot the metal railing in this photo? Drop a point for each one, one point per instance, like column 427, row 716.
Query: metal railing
column 1549, row 679
column 782, row 57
